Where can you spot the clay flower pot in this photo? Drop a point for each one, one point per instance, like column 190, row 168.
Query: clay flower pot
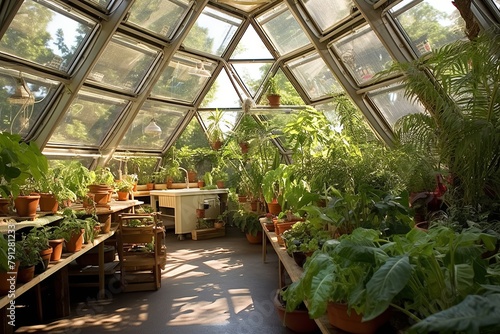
column 298, row 320
column 340, row 318
column 26, row 205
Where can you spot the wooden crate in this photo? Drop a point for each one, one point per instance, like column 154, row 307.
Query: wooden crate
column 208, row 233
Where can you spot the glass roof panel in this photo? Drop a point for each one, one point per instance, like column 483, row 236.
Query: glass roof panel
column 167, row 117
column 362, row 53
column 51, row 37
column 222, row 94
column 429, row 24
column 182, row 80
column 251, row 47
column 252, row 74
column 393, row 104
column 88, row 120
column 123, row 64
column 103, row 4
column 160, row 17
column 18, row 113
column 282, row 29
column 212, row 32
column 314, row 76
column 327, row 13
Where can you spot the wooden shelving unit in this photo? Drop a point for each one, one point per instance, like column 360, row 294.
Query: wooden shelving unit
column 288, row 266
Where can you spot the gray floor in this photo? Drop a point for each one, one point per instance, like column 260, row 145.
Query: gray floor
column 217, row 285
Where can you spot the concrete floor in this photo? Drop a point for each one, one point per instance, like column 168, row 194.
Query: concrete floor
column 217, row 285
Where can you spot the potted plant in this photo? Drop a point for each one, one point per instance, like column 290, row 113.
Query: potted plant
column 73, row 229
column 273, row 92
column 75, row 177
column 123, row 188
column 56, row 241
column 53, row 191
column 304, row 238
column 216, row 128
column 248, row 222
column 101, row 188
column 19, row 161
column 28, row 259
column 37, row 240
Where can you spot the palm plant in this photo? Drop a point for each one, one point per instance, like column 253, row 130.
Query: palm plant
column 459, row 87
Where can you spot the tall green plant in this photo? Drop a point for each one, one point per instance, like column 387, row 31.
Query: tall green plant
column 459, row 86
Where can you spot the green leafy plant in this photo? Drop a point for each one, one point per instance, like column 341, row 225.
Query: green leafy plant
column 247, row 221
column 305, row 236
column 103, row 175
column 418, row 273
column 19, row 161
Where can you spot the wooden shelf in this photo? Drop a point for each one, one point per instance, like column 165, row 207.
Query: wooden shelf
column 287, row 263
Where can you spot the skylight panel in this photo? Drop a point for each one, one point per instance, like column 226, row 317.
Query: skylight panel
column 183, row 79
column 314, row 76
column 51, row 37
column 326, row 14
column 23, row 98
column 393, row 105
column 123, row 64
column 251, row 47
column 167, row 117
column 221, row 94
column 362, row 54
column 282, row 29
column 160, row 17
column 252, row 74
column 88, row 120
column 429, row 24
column 212, row 32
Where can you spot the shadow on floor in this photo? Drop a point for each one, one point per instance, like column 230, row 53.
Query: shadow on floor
column 217, row 285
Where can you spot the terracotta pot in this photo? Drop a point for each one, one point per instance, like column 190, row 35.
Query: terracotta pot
column 219, row 224
column 244, row 147
column 192, row 176
column 274, row 100
column 45, row 255
column 122, row 195
column 298, row 320
column 24, row 275
column 254, row 239
column 274, row 208
column 48, row 203
column 4, row 205
column 201, row 183
column 242, row 199
column 150, row 186
column 340, row 318
column 254, row 205
column 216, row 145
column 75, row 243
column 280, row 228
column 220, row 184
column 57, row 248
column 200, row 213
column 26, row 205
column 105, row 220
column 424, row 226
column 100, row 198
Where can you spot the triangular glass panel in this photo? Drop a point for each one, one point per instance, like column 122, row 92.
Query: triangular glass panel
column 222, row 94
column 251, row 47
column 251, row 74
column 212, row 31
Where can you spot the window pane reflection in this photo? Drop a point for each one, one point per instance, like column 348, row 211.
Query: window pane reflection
column 429, row 24
column 393, row 105
column 362, row 53
column 45, row 36
column 165, row 116
column 18, row 114
column 283, row 30
column 88, row 120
